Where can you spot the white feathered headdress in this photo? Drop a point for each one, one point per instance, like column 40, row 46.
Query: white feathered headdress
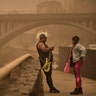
column 42, row 32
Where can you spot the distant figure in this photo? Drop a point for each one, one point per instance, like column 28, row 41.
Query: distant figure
column 45, row 56
column 76, row 61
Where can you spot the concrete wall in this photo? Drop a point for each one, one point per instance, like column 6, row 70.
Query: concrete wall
column 63, row 55
column 24, row 80
column 89, row 67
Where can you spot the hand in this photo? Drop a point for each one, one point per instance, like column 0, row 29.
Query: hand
column 52, row 48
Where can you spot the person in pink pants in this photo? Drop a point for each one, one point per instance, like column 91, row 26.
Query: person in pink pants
column 77, row 54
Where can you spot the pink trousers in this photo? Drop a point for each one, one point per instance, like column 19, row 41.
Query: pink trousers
column 76, row 70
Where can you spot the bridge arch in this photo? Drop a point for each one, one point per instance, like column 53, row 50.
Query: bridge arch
column 26, row 27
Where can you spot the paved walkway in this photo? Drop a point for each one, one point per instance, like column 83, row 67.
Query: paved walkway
column 66, row 83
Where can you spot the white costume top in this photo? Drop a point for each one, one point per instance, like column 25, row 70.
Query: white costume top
column 77, row 52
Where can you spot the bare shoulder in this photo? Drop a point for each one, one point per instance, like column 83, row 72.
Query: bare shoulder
column 40, row 45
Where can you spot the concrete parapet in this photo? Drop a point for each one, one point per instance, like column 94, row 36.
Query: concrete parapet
column 89, row 67
column 8, row 67
column 23, row 80
column 63, row 56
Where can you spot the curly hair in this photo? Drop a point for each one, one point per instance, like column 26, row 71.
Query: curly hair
column 76, row 38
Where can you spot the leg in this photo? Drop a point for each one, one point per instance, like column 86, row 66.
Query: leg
column 50, row 81
column 49, row 78
column 76, row 69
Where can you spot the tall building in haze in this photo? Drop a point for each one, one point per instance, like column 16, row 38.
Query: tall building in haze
column 50, row 6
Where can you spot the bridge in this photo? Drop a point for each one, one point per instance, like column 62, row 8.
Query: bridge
column 22, row 76
column 12, row 25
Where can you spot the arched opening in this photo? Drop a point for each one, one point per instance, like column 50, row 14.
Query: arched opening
column 59, row 34
column 37, row 24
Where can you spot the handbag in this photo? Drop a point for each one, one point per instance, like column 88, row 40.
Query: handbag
column 67, row 67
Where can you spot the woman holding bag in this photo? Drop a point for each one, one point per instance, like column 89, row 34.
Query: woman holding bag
column 76, row 55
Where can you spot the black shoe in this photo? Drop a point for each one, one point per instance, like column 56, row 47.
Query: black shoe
column 54, row 91
column 77, row 91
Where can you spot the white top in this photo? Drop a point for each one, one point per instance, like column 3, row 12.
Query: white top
column 77, row 52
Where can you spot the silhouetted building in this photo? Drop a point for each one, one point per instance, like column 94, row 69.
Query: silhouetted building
column 49, row 6
column 67, row 6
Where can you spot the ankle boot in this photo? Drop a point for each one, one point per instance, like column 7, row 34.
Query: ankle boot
column 77, row 91
column 80, row 91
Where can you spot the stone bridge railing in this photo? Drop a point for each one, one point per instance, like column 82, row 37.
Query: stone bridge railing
column 21, row 77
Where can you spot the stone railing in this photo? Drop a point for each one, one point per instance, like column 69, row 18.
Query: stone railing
column 21, row 77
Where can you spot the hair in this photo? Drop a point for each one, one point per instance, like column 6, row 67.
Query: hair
column 76, row 38
column 42, row 36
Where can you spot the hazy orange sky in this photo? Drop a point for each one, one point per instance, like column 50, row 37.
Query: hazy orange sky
column 18, row 4
column 31, row 4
